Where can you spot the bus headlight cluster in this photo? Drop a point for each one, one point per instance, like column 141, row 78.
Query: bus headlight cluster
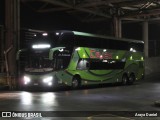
column 26, row 80
column 48, row 80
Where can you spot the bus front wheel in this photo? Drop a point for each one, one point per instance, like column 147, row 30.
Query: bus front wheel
column 76, row 82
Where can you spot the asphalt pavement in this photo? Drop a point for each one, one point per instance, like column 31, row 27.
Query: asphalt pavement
column 108, row 102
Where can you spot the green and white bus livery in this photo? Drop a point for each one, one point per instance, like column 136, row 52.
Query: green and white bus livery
column 75, row 58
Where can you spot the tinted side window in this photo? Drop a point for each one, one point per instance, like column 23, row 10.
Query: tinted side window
column 106, row 65
column 137, row 46
column 95, row 42
column 66, row 39
column 84, row 41
column 118, row 45
column 82, row 64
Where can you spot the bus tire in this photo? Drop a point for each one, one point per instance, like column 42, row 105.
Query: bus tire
column 124, row 79
column 131, row 79
column 76, row 82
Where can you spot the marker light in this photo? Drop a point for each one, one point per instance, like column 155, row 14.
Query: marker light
column 41, row 46
column 104, row 50
column 101, row 56
column 142, row 58
column 77, row 49
column 105, row 61
column 47, row 80
column 84, row 55
column 117, row 57
column 26, row 80
column 45, row 34
column 61, row 50
column 132, row 50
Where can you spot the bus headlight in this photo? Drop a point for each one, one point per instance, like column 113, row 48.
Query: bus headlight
column 26, row 80
column 50, row 83
column 48, row 79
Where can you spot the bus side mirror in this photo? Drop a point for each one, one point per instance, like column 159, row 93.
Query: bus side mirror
column 19, row 52
column 53, row 50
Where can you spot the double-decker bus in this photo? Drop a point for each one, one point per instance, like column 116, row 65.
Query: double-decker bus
column 76, row 58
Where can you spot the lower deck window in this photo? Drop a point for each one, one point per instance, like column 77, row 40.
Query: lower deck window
column 94, row 64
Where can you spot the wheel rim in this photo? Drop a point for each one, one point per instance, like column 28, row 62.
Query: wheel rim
column 124, row 80
column 131, row 78
column 75, row 83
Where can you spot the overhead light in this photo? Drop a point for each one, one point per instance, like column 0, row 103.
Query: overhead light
column 41, row 46
column 57, row 33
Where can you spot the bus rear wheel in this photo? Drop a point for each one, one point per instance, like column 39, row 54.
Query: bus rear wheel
column 131, row 79
column 76, row 82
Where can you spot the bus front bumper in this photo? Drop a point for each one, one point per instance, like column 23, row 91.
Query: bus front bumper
column 39, row 81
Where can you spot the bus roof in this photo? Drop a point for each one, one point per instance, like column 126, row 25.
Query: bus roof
column 90, row 35
column 105, row 37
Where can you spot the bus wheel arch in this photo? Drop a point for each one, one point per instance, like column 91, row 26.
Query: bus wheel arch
column 76, row 81
column 131, row 78
column 124, row 79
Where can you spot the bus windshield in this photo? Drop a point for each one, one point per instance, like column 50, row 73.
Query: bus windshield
column 38, row 63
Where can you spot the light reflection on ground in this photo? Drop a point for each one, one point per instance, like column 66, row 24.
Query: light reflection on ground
column 26, row 98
